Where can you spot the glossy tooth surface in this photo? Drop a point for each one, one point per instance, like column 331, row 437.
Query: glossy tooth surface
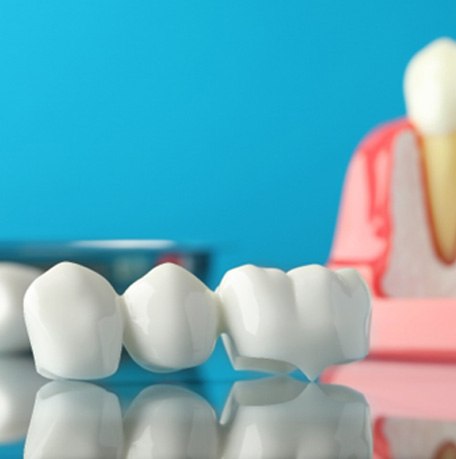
column 14, row 281
column 171, row 319
column 74, row 420
column 309, row 318
column 281, row 417
column 429, row 86
column 19, row 383
column 430, row 92
column 74, row 323
column 170, row 422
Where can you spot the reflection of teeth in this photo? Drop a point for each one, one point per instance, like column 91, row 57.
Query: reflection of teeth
column 277, row 417
column 431, row 104
column 171, row 422
column 74, row 323
column 73, row 419
column 171, row 319
column 280, row 417
column 309, row 318
column 14, row 281
column 18, row 385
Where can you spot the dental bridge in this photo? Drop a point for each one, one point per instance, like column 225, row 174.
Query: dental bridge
column 308, row 318
column 273, row 417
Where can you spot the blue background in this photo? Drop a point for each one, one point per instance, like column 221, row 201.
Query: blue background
column 226, row 122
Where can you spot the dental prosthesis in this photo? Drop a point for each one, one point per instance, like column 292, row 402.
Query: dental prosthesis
column 168, row 320
column 397, row 221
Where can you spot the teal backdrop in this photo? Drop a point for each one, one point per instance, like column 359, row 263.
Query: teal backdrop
column 230, row 123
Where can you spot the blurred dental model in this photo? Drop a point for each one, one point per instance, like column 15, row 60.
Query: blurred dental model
column 397, row 223
column 19, row 383
column 262, row 419
column 308, row 318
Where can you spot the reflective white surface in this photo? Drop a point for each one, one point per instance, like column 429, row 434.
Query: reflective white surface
column 271, row 418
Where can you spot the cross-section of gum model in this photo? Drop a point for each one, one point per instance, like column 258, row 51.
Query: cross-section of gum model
column 308, row 318
column 397, row 223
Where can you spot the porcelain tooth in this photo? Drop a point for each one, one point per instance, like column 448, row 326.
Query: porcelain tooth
column 74, row 323
column 171, row 319
column 309, row 318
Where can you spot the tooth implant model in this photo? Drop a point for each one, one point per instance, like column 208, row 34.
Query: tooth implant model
column 397, row 223
column 309, row 318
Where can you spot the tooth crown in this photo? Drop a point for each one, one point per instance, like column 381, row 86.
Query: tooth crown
column 429, row 88
column 270, row 320
column 74, row 323
column 309, row 318
column 171, row 319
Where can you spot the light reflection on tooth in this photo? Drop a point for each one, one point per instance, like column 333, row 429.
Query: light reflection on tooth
column 170, row 422
column 269, row 418
column 280, row 417
column 74, row 420
column 19, row 383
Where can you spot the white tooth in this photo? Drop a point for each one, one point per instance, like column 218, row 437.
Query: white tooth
column 281, row 417
column 19, row 383
column 171, row 422
column 74, row 323
column 14, row 281
column 310, row 318
column 74, row 420
column 171, row 319
column 429, row 88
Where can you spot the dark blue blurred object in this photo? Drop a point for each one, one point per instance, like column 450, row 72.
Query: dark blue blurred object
column 121, row 261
